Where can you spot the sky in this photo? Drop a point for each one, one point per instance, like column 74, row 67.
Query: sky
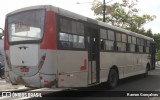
column 151, row 7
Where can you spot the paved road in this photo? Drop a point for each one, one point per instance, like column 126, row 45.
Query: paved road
column 138, row 83
column 3, row 82
column 151, row 83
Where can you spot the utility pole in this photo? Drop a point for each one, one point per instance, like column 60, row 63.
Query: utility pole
column 104, row 11
column 104, row 8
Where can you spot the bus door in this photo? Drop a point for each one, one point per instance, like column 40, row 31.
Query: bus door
column 152, row 51
column 93, row 55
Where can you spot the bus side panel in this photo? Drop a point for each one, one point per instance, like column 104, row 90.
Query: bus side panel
column 137, row 63
column 109, row 59
column 50, row 63
column 128, row 64
column 145, row 60
column 72, row 68
column 7, row 67
column 48, row 71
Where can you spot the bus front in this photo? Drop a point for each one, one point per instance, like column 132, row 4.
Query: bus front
column 24, row 38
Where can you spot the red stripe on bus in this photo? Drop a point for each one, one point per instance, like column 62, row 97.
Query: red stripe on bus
column 49, row 38
column 85, row 65
column 6, row 46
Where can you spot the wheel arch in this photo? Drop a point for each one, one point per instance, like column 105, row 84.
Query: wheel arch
column 148, row 66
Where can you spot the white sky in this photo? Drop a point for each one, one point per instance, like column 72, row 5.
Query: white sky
column 147, row 7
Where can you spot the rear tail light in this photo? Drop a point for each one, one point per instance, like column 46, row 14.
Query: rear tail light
column 46, row 81
column 41, row 62
column 8, row 61
column 43, row 80
column 24, row 69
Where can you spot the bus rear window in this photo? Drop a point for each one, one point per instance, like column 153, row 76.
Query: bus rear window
column 26, row 26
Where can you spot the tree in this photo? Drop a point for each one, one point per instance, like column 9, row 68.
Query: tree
column 124, row 15
column 158, row 55
column 157, row 42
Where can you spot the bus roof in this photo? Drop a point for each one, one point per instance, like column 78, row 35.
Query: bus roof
column 73, row 15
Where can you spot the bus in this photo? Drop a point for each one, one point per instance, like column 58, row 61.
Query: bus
column 46, row 46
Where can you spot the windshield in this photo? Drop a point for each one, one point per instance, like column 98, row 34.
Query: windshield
column 26, row 26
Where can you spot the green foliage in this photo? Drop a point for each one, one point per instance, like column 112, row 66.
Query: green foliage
column 158, row 55
column 124, row 15
column 157, row 41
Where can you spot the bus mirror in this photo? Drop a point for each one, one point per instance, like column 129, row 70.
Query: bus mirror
column 1, row 33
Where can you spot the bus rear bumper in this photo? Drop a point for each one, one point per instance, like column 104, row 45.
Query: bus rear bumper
column 37, row 81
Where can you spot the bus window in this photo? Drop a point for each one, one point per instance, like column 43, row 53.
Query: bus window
column 65, row 25
column 65, row 39
column 118, row 37
column 124, row 38
column 134, row 40
column 141, row 46
column 78, row 41
column 121, row 46
column 138, row 41
column 109, row 45
column 80, row 28
column 129, row 39
column 111, row 35
column 147, row 46
column 26, row 28
column 74, row 26
column 142, row 42
column 148, row 43
column 102, row 42
column 147, row 49
column 103, row 36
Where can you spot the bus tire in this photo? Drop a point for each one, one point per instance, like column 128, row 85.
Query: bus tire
column 112, row 78
column 147, row 69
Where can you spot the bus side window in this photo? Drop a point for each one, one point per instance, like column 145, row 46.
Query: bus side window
column 102, row 42
column 103, row 36
column 110, row 43
column 148, row 47
column 144, row 47
column 118, row 40
column 71, row 34
column 129, row 43
column 65, row 25
column 133, row 45
column 137, row 45
column 141, row 45
column 78, row 41
column 65, row 39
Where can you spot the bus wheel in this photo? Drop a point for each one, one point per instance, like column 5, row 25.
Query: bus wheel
column 146, row 73
column 112, row 78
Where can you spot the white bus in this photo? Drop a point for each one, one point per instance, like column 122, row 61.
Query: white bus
column 46, row 46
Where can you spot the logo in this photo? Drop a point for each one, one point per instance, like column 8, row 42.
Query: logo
column 6, row 94
column 21, row 95
column 24, row 47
